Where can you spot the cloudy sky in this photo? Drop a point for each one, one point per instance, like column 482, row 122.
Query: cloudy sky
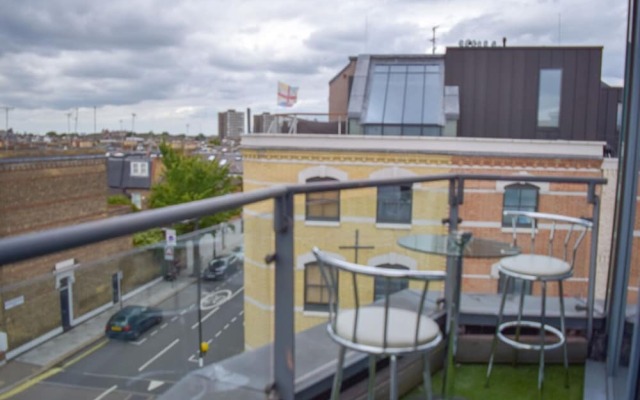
column 175, row 64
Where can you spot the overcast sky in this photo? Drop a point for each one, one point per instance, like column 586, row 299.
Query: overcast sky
column 177, row 63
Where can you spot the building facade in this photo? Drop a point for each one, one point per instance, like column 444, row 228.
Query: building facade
column 44, row 296
column 380, row 216
column 230, row 124
column 492, row 92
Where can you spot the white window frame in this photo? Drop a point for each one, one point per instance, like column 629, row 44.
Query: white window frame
column 139, row 169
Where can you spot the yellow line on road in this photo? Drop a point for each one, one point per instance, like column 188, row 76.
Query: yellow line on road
column 26, row 385
column 83, row 355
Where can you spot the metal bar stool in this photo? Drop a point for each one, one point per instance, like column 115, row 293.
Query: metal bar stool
column 357, row 323
column 539, row 267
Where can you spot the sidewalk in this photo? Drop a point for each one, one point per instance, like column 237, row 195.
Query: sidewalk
column 53, row 351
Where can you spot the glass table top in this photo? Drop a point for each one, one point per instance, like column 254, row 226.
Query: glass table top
column 458, row 244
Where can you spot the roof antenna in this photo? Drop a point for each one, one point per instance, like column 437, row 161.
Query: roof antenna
column 433, row 40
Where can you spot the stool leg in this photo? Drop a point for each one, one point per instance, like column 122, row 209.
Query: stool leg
column 426, row 375
column 542, row 335
column 564, row 334
column 393, row 379
column 520, row 307
column 337, row 379
column 372, row 377
column 495, row 337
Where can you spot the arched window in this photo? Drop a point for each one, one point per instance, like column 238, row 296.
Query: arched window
column 396, row 285
column 316, row 292
column 519, row 197
column 322, row 206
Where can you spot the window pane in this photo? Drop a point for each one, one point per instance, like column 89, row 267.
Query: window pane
column 519, row 197
column 394, row 285
column 395, row 98
column 433, row 111
column 375, row 105
column 413, row 99
column 392, row 130
column 411, row 130
column 373, row 130
column 394, row 204
column 528, row 197
column 322, row 206
column 549, row 98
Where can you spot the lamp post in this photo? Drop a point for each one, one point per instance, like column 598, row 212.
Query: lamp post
column 133, row 122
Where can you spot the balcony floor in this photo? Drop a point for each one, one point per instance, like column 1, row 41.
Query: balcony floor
column 508, row 382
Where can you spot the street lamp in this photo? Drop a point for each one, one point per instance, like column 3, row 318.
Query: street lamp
column 133, row 122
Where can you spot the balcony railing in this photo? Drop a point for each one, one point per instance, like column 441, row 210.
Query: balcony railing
column 281, row 251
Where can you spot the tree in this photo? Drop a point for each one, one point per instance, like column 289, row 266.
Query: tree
column 52, row 134
column 191, row 178
column 200, row 137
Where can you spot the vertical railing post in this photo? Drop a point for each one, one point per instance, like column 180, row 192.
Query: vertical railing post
column 284, row 349
column 593, row 198
column 452, row 262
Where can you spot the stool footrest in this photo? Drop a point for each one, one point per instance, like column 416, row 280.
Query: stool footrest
column 530, row 346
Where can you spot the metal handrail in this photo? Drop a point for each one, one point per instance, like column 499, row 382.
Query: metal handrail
column 22, row 247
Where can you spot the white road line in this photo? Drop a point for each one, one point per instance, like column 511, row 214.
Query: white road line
column 226, row 326
column 241, row 312
column 174, row 318
column 183, row 312
column 210, row 313
column 233, row 319
column 209, row 341
column 154, row 332
column 106, row 392
column 145, row 365
column 164, row 325
column 219, row 333
column 139, row 342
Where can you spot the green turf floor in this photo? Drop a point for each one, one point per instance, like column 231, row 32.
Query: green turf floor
column 508, row 382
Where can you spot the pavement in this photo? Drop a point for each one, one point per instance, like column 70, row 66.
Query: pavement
column 43, row 357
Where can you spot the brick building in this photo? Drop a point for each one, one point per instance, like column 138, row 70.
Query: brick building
column 381, row 217
column 43, row 296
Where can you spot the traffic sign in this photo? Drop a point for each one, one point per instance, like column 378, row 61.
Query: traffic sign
column 170, row 237
column 168, row 253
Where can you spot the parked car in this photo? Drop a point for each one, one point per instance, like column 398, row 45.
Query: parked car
column 220, row 267
column 132, row 321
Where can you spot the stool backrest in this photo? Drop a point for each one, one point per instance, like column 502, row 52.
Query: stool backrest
column 574, row 229
column 331, row 268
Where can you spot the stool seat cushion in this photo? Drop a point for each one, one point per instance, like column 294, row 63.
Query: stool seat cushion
column 536, row 265
column 401, row 325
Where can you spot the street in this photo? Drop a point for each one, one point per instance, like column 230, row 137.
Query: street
column 142, row 369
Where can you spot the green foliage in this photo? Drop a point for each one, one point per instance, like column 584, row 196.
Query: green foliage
column 200, row 136
column 148, row 237
column 215, row 141
column 189, row 178
column 121, row 200
column 52, row 134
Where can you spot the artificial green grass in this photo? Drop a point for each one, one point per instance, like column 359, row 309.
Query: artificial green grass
column 508, row 382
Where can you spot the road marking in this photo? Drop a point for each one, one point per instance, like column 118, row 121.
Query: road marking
column 29, row 383
column 210, row 313
column 233, row 319
column 154, row 385
column 145, row 365
column 174, row 318
column 226, row 326
column 241, row 312
column 183, row 312
column 164, row 325
column 209, row 341
column 83, row 355
column 139, row 342
column 219, row 333
column 154, row 333
column 106, row 392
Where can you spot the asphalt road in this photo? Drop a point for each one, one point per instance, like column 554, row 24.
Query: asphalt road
column 113, row 369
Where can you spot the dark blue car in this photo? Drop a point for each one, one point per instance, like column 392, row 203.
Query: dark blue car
column 132, row 321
